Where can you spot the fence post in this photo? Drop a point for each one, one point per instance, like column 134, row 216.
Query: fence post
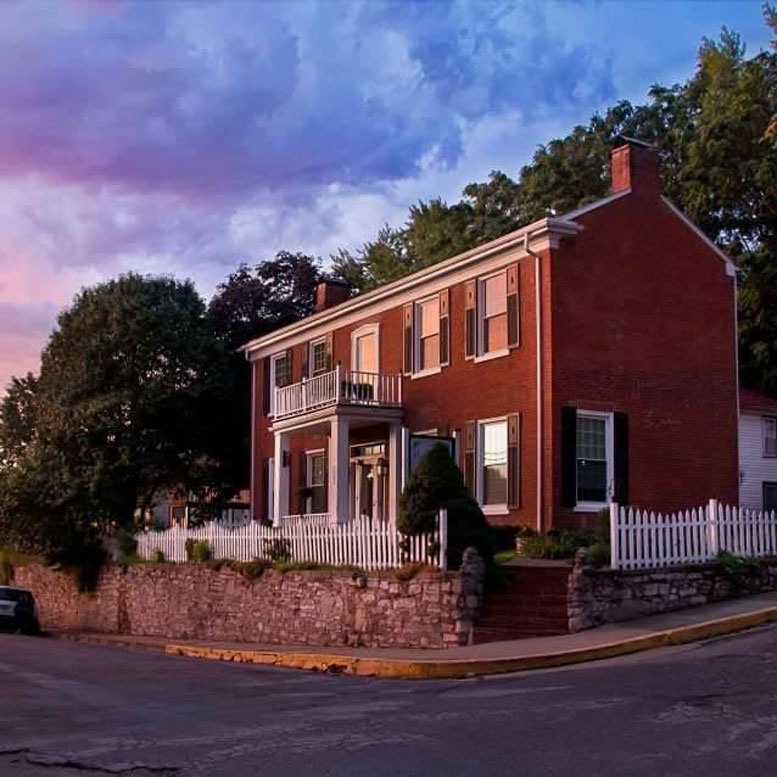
column 443, row 521
column 713, row 530
column 614, row 536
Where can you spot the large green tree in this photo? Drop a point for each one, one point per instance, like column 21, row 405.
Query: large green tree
column 127, row 404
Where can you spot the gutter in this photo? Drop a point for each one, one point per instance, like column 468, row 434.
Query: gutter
column 538, row 328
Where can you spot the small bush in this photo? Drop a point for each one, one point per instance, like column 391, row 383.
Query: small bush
column 559, row 543
column 600, row 554
column 738, row 570
column 278, row 549
column 126, row 545
column 198, row 551
column 436, row 483
column 250, row 570
column 409, row 571
column 157, row 557
column 503, row 556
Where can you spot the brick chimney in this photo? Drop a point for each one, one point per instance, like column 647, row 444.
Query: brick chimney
column 329, row 292
column 634, row 165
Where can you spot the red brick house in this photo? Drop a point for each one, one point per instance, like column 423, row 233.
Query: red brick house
column 586, row 357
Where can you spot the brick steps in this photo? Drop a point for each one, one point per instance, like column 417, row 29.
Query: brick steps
column 532, row 603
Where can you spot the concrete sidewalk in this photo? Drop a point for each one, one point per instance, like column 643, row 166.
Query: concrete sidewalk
column 491, row 658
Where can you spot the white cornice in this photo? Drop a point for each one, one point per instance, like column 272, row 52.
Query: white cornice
column 541, row 234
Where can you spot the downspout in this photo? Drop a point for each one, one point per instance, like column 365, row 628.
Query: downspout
column 538, row 327
column 736, row 379
column 253, row 437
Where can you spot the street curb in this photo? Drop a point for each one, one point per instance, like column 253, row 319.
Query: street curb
column 421, row 669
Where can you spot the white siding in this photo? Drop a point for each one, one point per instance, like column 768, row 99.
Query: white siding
column 754, row 469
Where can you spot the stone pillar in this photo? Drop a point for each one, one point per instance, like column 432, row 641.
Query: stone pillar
column 280, row 505
column 395, row 471
column 339, row 460
column 473, row 575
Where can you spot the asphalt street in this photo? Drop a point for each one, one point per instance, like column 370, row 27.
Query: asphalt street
column 703, row 709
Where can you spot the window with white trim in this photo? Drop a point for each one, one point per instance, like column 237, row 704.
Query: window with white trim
column 770, row 437
column 594, row 458
column 279, row 376
column 364, row 347
column 319, row 363
column 492, row 463
column 316, row 477
column 493, row 313
column 427, row 328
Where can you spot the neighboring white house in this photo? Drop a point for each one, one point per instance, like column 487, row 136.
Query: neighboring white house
column 757, row 450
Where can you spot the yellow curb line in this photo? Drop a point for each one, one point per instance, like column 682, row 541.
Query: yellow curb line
column 453, row 668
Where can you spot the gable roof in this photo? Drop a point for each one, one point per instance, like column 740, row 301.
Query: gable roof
column 367, row 302
column 753, row 402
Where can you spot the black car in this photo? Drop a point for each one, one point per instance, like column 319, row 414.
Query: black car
column 18, row 611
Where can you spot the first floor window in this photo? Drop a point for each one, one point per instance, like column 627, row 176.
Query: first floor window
column 428, row 328
column 770, row 496
column 493, row 463
column 770, row 437
column 317, row 482
column 593, row 457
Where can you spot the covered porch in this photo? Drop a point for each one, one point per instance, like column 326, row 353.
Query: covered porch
column 338, row 464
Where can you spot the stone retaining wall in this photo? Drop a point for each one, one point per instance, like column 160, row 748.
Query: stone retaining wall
column 599, row 596
column 325, row 608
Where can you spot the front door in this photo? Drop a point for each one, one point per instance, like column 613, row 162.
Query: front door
column 369, row 481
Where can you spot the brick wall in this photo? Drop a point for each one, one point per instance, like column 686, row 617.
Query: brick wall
column 463, row 391
column 643, row 323
column 311, row 608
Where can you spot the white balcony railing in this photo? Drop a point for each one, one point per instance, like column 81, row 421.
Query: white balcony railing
column 339, row 387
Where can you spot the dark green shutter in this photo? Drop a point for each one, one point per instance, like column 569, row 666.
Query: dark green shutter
column 513, row 322
column 407, row 339
column 266, row 388
column 445, row 328
column 470, row 319
column 470, row 463
column 514, row 460
column 621, row 455
column 568, row 456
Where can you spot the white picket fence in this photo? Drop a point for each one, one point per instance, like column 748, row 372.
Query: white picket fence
column 643, row 538
column 367, row 544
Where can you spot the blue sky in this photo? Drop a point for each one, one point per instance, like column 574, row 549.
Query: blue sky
column 183, row 137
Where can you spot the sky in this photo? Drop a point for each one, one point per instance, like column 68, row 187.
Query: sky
column 185, row 137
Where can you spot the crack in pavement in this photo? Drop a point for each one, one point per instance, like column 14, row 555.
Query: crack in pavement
column 58, row 762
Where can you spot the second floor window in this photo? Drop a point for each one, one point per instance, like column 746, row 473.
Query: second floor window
column 770, row 437
column 428, row 333
column 280, row 375
column 318, row 357
column 493, row 306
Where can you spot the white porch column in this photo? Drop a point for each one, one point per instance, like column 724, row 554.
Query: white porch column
column 339, row 460
column 280, row 505
column 395, row 472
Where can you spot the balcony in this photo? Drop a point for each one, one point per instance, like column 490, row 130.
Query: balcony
column 338, row 387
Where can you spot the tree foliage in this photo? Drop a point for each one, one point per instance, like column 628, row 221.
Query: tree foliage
column 435, row 483
column 716, row 135
column 127, row 404
column 250, row 303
